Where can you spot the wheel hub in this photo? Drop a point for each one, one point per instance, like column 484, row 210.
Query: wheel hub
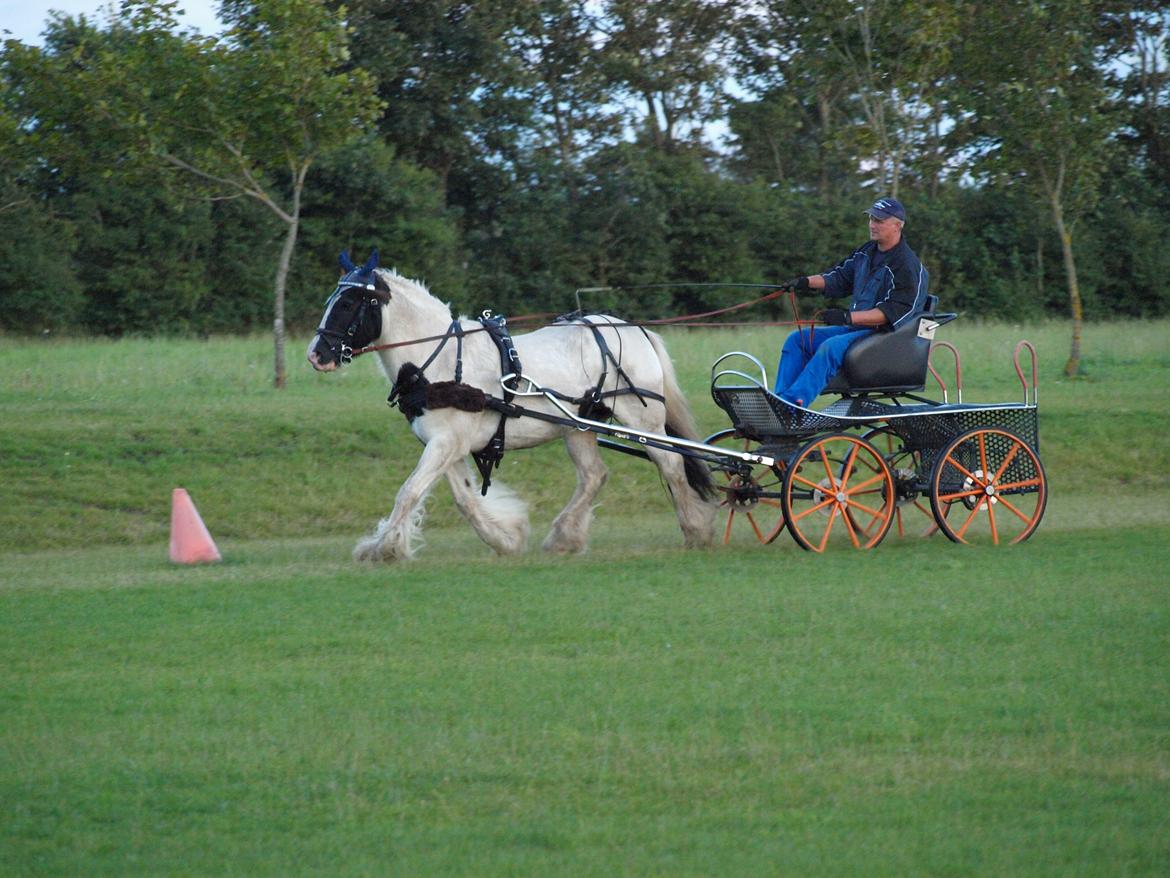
column 974, row 501
column 742, row 493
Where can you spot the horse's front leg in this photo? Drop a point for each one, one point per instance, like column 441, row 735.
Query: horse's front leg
column 399, row 536
column 500, row 518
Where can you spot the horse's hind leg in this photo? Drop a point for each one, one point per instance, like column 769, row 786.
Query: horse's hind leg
column 500, row 518
column 696, row 516
column 397, row 536
column 570, row 530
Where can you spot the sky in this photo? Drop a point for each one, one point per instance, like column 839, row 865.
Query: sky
column 24, row 21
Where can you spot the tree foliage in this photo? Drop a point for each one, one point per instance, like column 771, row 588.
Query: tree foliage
column 510, row 152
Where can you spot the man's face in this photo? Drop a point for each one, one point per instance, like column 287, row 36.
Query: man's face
column 885, row 231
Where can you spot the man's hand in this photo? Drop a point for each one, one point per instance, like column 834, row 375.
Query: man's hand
column 835, row 317
column 799, row 284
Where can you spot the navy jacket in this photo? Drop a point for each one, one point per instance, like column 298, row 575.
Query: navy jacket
column 894, row 281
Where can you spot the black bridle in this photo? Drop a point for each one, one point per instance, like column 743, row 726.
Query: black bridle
column 373, row 294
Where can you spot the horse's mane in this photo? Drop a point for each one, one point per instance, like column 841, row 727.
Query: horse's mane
column 414, row 294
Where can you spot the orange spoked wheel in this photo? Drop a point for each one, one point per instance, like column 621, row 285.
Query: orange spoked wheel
column 838, row 490
column 988, row 488
column 750, row 498
column 912, row 512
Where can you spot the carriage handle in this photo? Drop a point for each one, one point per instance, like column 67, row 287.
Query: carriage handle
column 735, row 373
column 763, row 382
column 958, row 370
column 1024, row 343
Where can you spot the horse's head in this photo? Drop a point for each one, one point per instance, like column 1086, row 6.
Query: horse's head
column 353, row 315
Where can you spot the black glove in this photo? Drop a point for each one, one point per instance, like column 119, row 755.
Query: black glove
column 835, row 317
column 799, row 284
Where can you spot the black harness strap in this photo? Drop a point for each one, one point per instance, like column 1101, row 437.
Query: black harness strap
column 408, row 379
column 488, row 458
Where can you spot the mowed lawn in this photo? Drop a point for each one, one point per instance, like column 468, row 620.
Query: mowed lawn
column 924, row 708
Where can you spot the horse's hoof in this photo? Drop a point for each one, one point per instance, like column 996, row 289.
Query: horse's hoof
column 373, row 552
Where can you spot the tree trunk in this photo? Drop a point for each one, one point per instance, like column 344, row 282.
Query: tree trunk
column 280, row 376
column 1073, row 366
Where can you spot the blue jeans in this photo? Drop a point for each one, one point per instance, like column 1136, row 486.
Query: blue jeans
column 810, row 358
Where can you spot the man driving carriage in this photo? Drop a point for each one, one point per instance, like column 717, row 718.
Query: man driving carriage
column 888, row 285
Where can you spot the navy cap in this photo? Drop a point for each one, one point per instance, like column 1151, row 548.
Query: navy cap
column 884, row 208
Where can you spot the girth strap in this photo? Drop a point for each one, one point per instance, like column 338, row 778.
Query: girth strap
column 488, row 458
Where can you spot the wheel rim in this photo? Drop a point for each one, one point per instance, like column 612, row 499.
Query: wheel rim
column 838, row 490
column 988, row 488
column 912, row 512
column 751, row 507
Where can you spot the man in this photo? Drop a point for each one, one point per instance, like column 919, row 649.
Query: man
column 888, row 285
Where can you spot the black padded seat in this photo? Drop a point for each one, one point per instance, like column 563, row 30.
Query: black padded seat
column 890, row 362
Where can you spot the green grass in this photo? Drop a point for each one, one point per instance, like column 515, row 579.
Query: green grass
column 95, row 434
column 633, row 713
column 923, row 708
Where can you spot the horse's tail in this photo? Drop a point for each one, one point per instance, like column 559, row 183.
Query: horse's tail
column 680, row 423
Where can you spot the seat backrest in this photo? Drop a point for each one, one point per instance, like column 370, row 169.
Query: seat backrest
column 891, row 362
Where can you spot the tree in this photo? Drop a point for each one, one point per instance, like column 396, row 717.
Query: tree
column 566, row 86
column 1038, row 114
column 443, row 73
column 243, row 116
column 667, row 58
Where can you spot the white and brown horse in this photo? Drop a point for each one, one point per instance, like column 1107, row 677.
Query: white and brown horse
column 375, row 307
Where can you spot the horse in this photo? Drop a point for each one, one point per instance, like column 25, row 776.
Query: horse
column 608, row 365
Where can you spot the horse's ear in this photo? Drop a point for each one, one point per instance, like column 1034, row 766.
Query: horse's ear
column 371, row 263
column 346, row 263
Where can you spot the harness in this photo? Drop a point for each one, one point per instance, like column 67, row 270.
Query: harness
column 413, row 393
column 365, row 311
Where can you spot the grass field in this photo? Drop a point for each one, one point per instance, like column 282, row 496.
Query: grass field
column 923, row 708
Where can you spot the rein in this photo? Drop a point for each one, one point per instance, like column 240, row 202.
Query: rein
column 529, row 318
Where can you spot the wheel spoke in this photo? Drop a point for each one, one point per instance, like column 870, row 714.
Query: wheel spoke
column 974, row 478
column 847, row 472
column 860, row 488
column 755, row 527
column 813, row 509
column 1030, row 483
column 816, row 486
column 950, row 498
column 875, row 518
column 983, row 455
column 1007, row 459
column 1026, row 519
column 849, row 529
column 828, row 528
column 876, row 513
column 727, row 530
column 967, row 523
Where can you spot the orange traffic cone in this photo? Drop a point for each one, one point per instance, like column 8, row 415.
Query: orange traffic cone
column 190, row 541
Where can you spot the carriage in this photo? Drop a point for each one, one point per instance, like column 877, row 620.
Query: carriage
column 881, row 456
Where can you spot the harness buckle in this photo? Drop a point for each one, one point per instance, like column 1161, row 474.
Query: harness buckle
column 346, row 355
